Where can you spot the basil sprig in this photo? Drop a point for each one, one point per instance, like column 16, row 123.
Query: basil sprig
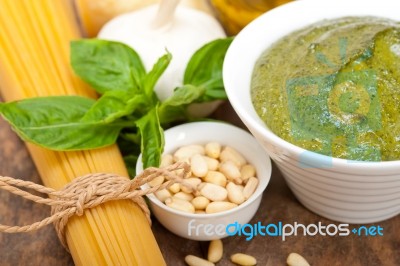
column 128, row 108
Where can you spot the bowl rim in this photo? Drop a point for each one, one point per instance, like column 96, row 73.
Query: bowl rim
column 297, row 8
column 221, row 124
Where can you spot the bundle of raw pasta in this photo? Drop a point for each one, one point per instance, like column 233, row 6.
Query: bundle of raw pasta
column 34, row 61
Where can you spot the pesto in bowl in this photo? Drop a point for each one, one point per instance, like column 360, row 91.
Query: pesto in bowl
column 334, row 88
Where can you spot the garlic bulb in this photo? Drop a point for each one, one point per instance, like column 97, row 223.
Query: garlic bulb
column 182, row 34
column 95, row 13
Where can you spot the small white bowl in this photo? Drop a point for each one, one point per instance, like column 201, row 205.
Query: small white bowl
column 345, row 191
column 206, row 227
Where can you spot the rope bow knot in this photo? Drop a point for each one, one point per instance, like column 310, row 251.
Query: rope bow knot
column 89, row 191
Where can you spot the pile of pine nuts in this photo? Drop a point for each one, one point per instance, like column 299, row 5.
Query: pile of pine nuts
column 221, row 176
column 215, row 254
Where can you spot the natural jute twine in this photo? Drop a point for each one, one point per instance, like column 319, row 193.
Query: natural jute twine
column 90, row 191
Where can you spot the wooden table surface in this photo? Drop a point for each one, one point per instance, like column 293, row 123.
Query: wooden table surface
column 278, row 204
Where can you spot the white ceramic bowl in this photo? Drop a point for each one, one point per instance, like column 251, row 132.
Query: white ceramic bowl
column 351, row 192
column 201, row 133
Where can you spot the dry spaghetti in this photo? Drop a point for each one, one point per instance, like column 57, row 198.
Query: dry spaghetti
column 90, row 191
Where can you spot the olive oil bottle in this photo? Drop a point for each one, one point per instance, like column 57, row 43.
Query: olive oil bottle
column 235, row 14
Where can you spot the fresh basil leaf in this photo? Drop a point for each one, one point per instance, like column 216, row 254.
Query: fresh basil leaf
column 107, row 65
column 113, row 105
column 173, row 108
column 154, row 75
column 54, row 123
column 171, row 114
column 205, row 69
column 213, row 93
column 184, row 95
column 152, row 138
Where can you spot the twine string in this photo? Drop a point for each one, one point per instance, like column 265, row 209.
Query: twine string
column 89, row 191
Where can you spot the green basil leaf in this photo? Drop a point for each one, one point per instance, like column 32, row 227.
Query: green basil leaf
column 184, row 95
column 113, row 105
column 171, row 114
column 153, row 76
column 214, row 93
column 173, row 108
column 205, row 69
column 107, row 65
column 152, row 138
column 54, row 123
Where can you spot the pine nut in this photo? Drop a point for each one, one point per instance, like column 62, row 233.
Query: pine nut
column 235, row 194
column 198, row 165
column 179, row 204
column 243, row 259
column 174, row 188
column 231, row 171
column 163, row 194
column 213, row 149
column 250, row 187
column 230, row 154
column 166, row 160
column 200, row 202
column 295, row 259
column 156, row 181
column 215, row 251
column 202, row 184
column 213, row 192
column 247, row 171
column 212, row 163
column 216, row 178
column 183, row 196
column 188, row 151
column 196, row 261
column 220, row 206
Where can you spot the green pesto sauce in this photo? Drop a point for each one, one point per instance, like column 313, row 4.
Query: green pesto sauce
column 334, row 88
